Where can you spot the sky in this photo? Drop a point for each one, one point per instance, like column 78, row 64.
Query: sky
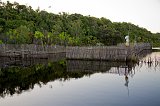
column 144, row 13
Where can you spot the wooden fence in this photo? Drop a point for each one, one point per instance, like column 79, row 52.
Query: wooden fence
column 111, row 53
column 30, row 50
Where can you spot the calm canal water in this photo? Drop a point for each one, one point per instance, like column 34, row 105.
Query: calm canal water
column 82, row 83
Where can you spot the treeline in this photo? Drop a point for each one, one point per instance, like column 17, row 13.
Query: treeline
column 20, row 24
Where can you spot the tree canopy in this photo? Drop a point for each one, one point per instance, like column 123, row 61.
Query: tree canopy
column 20, row 24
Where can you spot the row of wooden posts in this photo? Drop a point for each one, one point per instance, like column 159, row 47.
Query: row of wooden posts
column 113, row 53
column 30, row 50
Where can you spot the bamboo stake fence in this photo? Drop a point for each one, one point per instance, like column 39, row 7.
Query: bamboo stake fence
column 111, row 53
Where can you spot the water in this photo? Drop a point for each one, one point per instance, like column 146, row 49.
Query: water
column 82, row 83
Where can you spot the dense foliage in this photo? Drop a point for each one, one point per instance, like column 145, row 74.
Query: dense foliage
column 17, row 79
column 21, row 24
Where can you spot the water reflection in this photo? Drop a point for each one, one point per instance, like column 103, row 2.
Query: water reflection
column 16, row 79
column 151, row 61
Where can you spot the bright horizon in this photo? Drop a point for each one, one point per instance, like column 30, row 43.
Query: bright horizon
column 144, row 13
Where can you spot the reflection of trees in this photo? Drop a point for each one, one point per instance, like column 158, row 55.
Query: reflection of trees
column 18, row 79
column 15, row 79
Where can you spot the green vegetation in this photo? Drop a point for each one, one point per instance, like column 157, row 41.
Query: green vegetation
column 21, row 24
column 17, row 79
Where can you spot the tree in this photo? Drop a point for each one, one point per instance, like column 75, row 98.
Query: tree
column 39, row 36
column 73, row 29
column 19, row 35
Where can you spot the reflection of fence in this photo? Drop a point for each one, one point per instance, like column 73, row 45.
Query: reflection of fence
column 107, row 52
column 9, row 61
column 120, row 68
column 151, row 60
column 122, row 71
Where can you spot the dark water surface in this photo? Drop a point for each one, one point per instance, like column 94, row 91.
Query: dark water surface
column 82, row 83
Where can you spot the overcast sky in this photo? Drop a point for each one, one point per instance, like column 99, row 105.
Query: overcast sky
column 144, row 13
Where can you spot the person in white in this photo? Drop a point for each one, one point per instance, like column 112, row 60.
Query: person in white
column 127, row 40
